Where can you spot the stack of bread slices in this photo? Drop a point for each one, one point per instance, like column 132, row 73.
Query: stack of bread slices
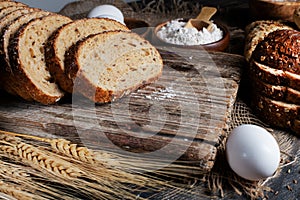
column 45, row 55
column 274, row 71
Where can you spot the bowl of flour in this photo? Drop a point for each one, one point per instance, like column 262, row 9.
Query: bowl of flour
column 173, row 33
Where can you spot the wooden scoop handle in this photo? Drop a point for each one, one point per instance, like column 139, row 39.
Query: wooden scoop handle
column 206, row 13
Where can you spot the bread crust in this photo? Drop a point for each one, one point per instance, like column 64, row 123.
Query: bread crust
column 23, row 79
column 55, row 63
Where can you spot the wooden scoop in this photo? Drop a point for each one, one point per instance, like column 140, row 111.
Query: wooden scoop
column 203, row 19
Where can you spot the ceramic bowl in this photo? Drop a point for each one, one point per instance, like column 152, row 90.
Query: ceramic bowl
column 220, row 45
column 273, row 9
column 138, row 26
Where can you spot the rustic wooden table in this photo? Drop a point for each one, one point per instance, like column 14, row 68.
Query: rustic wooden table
column 58, row 120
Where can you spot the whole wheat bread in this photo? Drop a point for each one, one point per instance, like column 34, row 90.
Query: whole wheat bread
column 257, row 31
column 7, row 32
column 27, row 60
column 108, row 65
column 58, row 45
column 274, row 76
column 276, row 92
column 277, row 113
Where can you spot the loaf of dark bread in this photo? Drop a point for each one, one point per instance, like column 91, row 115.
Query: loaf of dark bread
column 280, row 50
column 257, row 31
column 27, row 59
column 58, row 45
column 106, row 66
column 274, row 73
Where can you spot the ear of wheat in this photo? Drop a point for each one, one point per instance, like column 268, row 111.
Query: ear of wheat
column 78, row 171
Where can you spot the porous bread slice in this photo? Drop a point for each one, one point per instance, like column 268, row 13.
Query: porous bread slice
column 257, row 31
column 276, row 92
column 277, row 113
column 27, row 60
column 106, row 66
column 274, row 76
column 7, row 32
column 58, row 44
column 8, row 19
column 4, row 4
column 6, row 10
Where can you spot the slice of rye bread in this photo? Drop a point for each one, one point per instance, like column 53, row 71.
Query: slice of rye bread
column 27, row 59
column 7, row 32
column 106, row 66
column 58, row 44
column 257, row 31
column 274, row 76
column 277, row 113
column 275, row 92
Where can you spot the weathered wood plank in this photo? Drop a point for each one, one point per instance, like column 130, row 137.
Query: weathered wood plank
column 184, row 113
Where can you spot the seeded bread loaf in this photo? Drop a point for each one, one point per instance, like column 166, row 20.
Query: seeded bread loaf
column 7, row 32
column 58, row 44
column 274, row 76
column 257, row 31
column 27, row 60
column 274, row 73
column 276, row 92
column 108, row 65
column 277, row 113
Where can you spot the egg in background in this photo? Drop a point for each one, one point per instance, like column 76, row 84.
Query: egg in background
column 252, row 152
column 107, row 11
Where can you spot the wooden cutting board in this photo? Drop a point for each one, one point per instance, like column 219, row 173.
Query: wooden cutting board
column 183, row 115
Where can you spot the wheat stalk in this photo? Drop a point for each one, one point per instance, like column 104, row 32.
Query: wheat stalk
column 15, row 191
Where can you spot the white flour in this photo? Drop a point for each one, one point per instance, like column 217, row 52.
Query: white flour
column 175, row 33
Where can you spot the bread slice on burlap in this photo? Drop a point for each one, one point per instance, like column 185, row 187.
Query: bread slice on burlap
column 7, row 32
column 277, row 113
column 27, row 59
column 106, row 66
column 67, row 36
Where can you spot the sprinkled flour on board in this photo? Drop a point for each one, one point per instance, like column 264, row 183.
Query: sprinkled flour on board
column 175, row 33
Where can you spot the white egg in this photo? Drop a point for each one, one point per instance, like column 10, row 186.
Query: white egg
column 252, row 152
column 107, row 11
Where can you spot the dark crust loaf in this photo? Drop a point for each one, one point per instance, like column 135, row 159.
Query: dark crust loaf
column 279, row 93
column 280, row 50
column 277, row 113
column 20, row 75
